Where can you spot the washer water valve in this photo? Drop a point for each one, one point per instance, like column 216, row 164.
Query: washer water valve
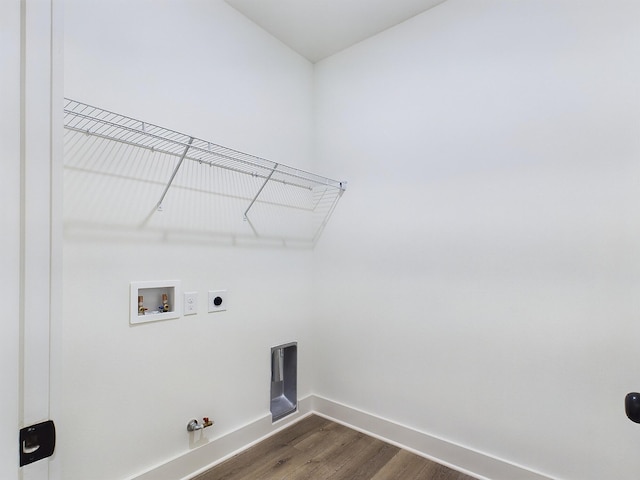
column 193, row 425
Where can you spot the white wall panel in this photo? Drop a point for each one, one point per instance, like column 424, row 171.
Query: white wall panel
column 488, row 243
column 203, row 69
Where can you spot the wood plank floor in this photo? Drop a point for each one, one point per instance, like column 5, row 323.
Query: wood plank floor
column 319, row 449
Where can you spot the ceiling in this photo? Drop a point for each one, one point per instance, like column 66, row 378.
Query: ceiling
column 319, row 28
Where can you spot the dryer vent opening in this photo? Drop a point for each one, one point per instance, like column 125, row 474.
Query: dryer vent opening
column 284, row 382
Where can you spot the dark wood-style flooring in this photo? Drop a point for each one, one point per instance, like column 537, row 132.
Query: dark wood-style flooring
column 319, row 449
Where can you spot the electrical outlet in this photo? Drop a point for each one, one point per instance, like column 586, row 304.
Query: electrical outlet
column 190, row 303
column 218, row 300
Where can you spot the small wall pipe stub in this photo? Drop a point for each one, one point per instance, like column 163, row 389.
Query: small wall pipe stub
column 193, row 425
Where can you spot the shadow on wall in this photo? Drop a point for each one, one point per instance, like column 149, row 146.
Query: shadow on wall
column 119, row 190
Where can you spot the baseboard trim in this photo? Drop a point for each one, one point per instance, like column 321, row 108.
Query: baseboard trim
column 463, row 459
column 457, row 457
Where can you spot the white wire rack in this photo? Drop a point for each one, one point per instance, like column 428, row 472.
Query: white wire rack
column 120, row 171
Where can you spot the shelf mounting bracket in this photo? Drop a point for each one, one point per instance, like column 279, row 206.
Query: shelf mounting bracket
column 173, row 175
column 266, row 180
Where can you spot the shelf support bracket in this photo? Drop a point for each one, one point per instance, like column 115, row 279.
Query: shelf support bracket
column 275, row 167
column 173, row 175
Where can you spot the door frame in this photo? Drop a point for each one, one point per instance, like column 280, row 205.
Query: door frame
column 10, row 238
column 31, row 99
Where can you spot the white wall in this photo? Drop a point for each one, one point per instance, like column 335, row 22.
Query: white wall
column 488, row 240
column 486, row 244
column 201, row 68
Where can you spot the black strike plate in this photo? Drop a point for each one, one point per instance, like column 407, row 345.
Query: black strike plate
column 37, row 442
column 632, row 406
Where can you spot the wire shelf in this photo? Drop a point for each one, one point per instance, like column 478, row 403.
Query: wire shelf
column 120, row 171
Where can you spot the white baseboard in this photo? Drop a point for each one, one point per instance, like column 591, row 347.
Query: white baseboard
column 475, row 464
column 470, row 462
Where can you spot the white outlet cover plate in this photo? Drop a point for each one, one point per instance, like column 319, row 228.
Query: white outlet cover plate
column 190, row 304
column 223, row 297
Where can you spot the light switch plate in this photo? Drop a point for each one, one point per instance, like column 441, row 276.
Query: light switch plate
column 217, row 300
column 190, row 305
